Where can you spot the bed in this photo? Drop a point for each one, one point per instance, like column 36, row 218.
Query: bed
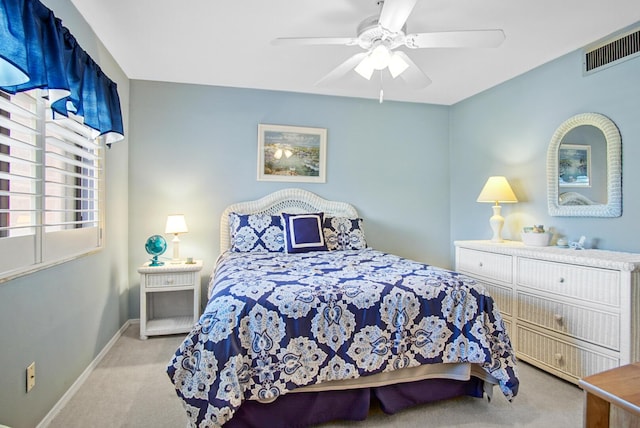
column 305, row 324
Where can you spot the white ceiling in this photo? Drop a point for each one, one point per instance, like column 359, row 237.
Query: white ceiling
column 227, row 42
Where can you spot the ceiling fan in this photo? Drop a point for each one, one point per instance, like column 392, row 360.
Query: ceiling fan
column 381, row 34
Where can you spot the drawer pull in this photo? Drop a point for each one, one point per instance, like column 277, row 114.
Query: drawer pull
column 561, row 281
column 169, row 281
column 558, row 358
column 480, row 264
column 558, row 318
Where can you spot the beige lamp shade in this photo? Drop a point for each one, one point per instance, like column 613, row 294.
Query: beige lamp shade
column 496, row 190
column 176, row 224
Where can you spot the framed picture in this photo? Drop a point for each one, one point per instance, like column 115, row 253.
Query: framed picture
column 574, row 165
column 292, row 153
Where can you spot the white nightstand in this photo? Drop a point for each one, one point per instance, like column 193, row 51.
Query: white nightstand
column 169, row 298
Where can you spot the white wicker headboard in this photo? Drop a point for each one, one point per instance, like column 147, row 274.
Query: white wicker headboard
column 287, row 200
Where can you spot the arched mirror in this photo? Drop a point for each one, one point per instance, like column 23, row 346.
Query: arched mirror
column 584, row 168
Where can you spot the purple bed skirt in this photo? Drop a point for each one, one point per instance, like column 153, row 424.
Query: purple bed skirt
column 310, row 408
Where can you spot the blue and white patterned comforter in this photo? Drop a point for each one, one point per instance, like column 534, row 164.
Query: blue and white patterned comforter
column 276, row 321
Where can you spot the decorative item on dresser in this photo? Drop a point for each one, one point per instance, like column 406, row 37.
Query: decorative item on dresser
column 169, row 298
column 570, row 313
column 497, row 190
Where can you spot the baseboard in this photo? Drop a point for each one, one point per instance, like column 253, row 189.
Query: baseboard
column 83, row 377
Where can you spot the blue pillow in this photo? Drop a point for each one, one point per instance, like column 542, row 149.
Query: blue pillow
column 343, row 233
column 256, row 233
column 303, row 232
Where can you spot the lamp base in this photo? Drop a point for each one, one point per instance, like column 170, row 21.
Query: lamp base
column 496, row 221
column 176, row 250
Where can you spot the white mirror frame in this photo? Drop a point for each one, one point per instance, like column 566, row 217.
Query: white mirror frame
column 613, row 207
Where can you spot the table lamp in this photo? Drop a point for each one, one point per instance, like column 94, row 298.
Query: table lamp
column 176, row 225
column 497, row 190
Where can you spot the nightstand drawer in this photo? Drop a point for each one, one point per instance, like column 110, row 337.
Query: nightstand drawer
column 497, row 267
column 176, row 279
column 598, row 327
column 581, row 282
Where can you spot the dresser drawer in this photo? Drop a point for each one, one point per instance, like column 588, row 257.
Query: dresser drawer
column 508, row 327
column 178, row 279
column 497, row 267
column 571, row 359
column 586, row 283
column 503, row 297
column 598, row 327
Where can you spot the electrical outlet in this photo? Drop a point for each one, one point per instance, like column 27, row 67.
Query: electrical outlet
column 31, row 376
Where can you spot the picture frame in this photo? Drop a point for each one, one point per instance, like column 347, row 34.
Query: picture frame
column 574, row 165
column 292, row 153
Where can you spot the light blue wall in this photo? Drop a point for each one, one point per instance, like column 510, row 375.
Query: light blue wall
column 506, row 131
column 194, row 151
column 63, row 316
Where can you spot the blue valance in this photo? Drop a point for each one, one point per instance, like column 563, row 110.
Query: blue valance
column 37, row 51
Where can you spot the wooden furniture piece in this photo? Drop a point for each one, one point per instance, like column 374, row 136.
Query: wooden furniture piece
column 572, row 313
column 619, row 386
column 169, row 298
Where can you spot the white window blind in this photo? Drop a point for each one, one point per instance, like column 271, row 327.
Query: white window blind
column 50, row 186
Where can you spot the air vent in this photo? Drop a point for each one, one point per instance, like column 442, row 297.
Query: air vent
column 612, row 51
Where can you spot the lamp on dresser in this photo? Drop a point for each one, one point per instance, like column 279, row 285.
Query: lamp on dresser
column 176, row 225
column 495, row 191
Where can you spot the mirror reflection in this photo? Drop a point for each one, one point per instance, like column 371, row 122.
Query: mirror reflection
column 584, row 168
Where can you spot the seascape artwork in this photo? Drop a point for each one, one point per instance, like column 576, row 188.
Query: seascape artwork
column 288, row 153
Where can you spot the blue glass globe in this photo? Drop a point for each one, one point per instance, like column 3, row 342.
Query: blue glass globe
column 156, row 245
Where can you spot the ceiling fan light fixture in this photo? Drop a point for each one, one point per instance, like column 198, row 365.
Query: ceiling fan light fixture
column 380, row 57
column 397, row 65
column 365, row 68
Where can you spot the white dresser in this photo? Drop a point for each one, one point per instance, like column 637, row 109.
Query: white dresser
column 572, row 313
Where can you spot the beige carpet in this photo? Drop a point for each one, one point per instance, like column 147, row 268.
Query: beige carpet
column 130, row 388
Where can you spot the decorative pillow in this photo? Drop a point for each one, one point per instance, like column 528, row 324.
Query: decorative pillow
column 342, row 233
column 256, row 233
column 303, row 232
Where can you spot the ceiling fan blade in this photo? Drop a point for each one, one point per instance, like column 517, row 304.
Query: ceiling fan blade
column 456, row 39
column 413, row 75
column 342, row 69
column 305, row 41
column 394, row 14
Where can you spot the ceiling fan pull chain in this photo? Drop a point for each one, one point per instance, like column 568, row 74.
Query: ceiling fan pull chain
column 381, row 98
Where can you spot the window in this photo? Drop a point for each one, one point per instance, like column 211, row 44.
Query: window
column 50, row 186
